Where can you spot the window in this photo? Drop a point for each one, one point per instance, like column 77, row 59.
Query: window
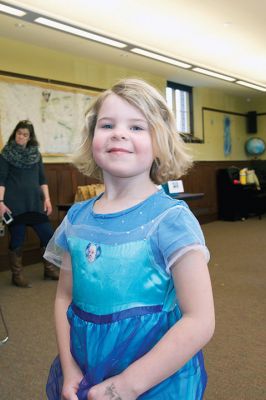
column 179, row 99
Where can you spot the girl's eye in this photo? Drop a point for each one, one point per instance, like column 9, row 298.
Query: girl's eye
column 107, row 126
column 136, row 128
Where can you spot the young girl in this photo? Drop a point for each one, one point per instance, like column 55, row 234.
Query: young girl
column 134, row 280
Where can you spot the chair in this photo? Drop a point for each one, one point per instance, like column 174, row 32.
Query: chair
column 88, row 191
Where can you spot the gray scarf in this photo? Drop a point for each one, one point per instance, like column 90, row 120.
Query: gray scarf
column 19, row 156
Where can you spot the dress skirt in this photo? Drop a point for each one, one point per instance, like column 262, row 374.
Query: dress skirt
column 105, row 345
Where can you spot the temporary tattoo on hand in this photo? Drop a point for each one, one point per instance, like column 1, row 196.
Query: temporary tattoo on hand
column 112, row 393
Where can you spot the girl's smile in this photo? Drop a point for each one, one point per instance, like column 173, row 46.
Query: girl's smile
column 118, row 150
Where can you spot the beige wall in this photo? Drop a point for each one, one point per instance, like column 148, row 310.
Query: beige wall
column 32, row 60
column 212, row 149
column 45, row 63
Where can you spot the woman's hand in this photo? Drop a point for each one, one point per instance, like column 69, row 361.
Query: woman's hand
column 4, row 209
column 114, row 388
column 48, row 206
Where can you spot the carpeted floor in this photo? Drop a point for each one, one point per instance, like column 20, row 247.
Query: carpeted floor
column 235, row 358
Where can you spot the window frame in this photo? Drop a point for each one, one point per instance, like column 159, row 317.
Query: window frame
column 187, row 136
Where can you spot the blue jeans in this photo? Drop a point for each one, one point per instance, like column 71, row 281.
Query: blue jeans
column 17, row 234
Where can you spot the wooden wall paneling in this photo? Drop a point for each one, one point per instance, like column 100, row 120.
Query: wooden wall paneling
column 82, row 179
column 64, row 178
column 66, row 194
column 52, row 180
column 63, row 192
column 207, row 178
column 195, row 182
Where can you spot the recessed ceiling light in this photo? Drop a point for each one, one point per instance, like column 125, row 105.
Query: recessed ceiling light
column 79, row 32
column 12, row 10
column 214, row 74
column 160, row 57
column 252, row 85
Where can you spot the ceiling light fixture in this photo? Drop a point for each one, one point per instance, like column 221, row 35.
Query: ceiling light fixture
column 12, row 10
column 252, row 86
column 79, row 32
column 214, row 74
column 160, row 57
column 30, row 16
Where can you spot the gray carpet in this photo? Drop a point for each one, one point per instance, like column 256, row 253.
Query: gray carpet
column 235, row 358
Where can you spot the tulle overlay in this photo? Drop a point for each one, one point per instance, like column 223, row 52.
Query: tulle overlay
column 100, row 352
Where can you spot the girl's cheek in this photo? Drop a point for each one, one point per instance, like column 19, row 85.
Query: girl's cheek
column 96, row 145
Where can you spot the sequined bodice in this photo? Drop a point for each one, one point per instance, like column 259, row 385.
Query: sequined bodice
column 121, row 276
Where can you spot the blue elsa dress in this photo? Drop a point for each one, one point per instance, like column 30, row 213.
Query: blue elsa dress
column 124, row 299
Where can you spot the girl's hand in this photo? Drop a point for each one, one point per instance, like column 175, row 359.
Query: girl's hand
column 71, row 385
column 112, row 389
column 3, row 209
column 48, row 206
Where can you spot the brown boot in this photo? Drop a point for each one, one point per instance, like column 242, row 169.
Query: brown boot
column 50, row 271
column 16, row 267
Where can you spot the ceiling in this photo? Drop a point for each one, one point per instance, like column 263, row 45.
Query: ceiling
column 226, row 36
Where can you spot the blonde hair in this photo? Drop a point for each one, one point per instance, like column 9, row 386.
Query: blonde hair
column 172, row 158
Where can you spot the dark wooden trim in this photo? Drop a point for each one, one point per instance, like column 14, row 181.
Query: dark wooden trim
column 49, row 81
column 223, row 111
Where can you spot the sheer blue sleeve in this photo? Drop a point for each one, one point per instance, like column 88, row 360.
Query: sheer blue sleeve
column 179, row 232
column 58, row 244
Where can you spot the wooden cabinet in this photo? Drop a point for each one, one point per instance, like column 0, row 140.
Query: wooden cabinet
column 236, row 201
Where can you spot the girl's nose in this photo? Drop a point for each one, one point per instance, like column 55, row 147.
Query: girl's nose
column 119, row 133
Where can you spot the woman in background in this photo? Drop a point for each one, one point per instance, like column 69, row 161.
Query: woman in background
column 24, row 194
